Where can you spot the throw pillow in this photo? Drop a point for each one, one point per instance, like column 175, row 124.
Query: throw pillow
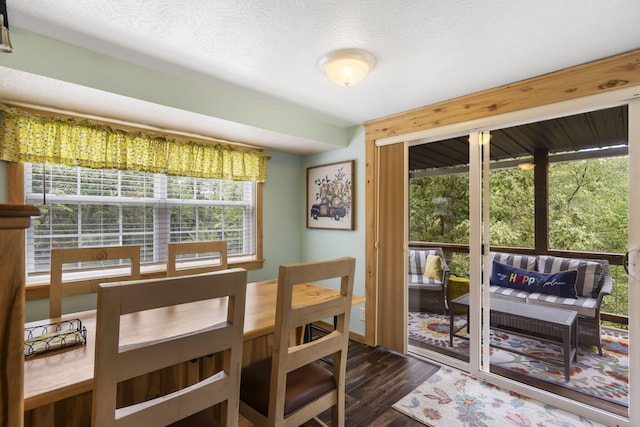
column 562, row 284
column 417, row 260
column 589, row 272
column 433, row 267
column 526, row 262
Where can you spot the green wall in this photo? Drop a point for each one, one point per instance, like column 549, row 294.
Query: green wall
column 283, row 216
column 47, row 57
column 285, row 236
column 319, row 244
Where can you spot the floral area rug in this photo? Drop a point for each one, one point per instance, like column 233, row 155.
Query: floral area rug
column 605, row 377
column 450, row 398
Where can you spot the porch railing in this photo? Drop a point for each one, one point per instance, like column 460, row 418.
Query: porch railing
column 615, row 306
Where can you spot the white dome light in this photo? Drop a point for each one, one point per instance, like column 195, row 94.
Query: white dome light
column 347, row 67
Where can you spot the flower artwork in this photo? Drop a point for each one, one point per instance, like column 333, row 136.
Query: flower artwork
column 330, row 195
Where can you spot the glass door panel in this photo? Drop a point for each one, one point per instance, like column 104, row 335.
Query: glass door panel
column 439, row 223
column 556, row 209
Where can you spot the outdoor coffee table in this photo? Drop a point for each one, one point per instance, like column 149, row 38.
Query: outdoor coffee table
column 548, row 323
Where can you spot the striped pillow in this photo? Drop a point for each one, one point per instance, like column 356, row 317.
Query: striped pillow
column 525, row 262
column 589, row 272
column 418, row 260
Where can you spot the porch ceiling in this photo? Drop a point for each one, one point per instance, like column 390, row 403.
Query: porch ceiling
column 592, row 130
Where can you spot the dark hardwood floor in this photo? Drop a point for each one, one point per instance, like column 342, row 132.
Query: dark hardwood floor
column 376, row 379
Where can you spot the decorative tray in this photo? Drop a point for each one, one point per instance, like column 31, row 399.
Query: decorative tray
column 43, row 338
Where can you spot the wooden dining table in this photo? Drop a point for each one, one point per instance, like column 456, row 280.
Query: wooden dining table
column 53, row 380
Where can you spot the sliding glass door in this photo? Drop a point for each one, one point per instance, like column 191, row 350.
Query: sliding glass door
column 553, row 222
column 553, row 207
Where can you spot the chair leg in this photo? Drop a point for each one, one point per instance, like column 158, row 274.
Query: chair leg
column 445, row 303
column 337, row 418
column 338, row 411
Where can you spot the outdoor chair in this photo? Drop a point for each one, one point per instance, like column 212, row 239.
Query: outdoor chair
column 428, row 274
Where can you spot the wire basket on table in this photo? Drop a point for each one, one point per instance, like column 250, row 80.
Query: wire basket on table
column 52, row 336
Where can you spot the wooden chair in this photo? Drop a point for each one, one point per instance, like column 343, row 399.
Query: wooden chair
column 291, row 387
column 175, row 249
column 117, row 361
column 59, row 289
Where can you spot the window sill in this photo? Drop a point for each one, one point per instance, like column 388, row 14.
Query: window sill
column 37, row 285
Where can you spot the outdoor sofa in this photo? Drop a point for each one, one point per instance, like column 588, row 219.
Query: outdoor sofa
column 593, row 283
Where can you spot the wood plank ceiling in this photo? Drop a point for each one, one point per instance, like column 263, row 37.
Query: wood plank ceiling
column 587, row 131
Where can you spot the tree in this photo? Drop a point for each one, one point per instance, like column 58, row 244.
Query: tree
column 437, row 207
column 588, row 205
column 588, row 211
column 511, row 208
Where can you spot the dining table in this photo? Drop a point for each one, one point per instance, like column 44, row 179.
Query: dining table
column 58, row 384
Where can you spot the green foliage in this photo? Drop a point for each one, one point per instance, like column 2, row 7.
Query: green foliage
column 511, row 212
column 588, row 211
column 588, row 205
column 439, row 209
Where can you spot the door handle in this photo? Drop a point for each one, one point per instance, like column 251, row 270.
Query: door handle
column 630, row 263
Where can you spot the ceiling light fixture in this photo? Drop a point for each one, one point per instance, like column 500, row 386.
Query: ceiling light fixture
column 526, row 166
column 485, row 138
column 5, row 42
column 347, row 67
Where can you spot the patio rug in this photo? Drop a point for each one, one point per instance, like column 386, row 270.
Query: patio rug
column 605, row 377
column 451, row 398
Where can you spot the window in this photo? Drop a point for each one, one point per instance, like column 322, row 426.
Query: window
column 83, row 207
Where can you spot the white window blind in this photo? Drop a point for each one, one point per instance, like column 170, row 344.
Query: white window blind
column 83, row 207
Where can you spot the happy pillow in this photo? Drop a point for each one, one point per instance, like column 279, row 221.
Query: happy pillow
column 562, row 284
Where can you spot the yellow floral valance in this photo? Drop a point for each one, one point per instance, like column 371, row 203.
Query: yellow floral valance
column 26, row 137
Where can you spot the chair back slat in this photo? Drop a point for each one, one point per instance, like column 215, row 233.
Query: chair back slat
column 59, row 289
column 156, row 302
column 175, row 267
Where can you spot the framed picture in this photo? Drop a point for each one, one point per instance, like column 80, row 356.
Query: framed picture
column 330, row 196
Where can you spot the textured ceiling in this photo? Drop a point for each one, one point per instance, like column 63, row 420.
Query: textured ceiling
column 426, row 50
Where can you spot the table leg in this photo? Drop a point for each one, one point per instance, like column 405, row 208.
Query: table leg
column 452, row 311
column 566, row 340
column 468, row 321
column 575, row 339
column 307, row 333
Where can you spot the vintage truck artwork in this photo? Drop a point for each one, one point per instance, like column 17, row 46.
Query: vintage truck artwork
column 329, row 194
column 334, row 209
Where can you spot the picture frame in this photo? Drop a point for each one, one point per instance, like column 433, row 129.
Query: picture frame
column 330, row 199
